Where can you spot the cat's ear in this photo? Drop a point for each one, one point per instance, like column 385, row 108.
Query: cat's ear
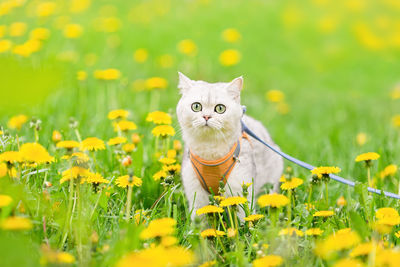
column 184, row 83
column 234, row 88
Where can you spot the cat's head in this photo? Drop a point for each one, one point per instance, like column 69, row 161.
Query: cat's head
column 211, row 109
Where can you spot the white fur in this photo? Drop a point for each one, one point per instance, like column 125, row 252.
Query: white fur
column 214, row 139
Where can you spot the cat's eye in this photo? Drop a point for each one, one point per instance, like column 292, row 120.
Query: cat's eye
column 196, row 107
column 220, row 108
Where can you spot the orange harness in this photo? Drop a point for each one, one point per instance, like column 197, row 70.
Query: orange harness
column 211, row 172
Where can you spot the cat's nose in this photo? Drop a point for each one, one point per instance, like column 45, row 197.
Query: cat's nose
column 206, row 117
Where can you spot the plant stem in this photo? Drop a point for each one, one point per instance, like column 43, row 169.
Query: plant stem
column 369, row 176
column 326, row 194
column 289, row 209
column 128, row 203
column 69, row 211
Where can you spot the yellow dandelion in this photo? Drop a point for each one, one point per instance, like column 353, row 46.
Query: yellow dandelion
column 17, row 29
column 275, row 96
column 172, row 169
column 159, row 228
column 292, row 183
column 159, row 175
column 231, row 35
column 107, row 74
column 118, row 114
column 16, row 223
column 11, row 157
column 5, row 45
column 140, row 55
column 187, row 47
column 128, row 148
column 209, row 209
column 68, row 144
column 126, row 180
column 233, row 201
column 229, row 57
column 171, row 154
column 268, row 261
column 389, row 170
column 343, row 239
column 117, row 141
column 168, row 241
column 5, row 171
column 81, row 75
column 74, row 173
column 166, row 256
column 387, row 216
column 92, row 144
column 156, row 83
column 211, row 233
column 35, row 153
column 314, row 231
column 96, row 178
column 291, row 231
column 362, row 249
column 124, row 125
column 396, row 121
column 5, row 200
column 272, row 200
column 167, row 161
column 73, row 31
column 45, row 9
column 367, row 156
column 253, row 217
column 163, row 130
column 159, row 117
column 16, row 122
column 323, row 213
column 40, row 34
column 324, row 171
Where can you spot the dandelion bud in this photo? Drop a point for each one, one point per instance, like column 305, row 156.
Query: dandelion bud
column 231, row 232
column 94, row 237
column 135, row 138
column 127, row 161
column 177, row 145
column 341, row 201
column 73, row 123
column 56, row 136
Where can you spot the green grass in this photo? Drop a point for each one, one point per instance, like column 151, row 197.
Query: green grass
column 335, row 84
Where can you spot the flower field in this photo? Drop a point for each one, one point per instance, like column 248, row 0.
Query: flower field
column 90, row 147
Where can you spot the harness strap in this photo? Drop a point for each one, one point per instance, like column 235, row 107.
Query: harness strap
column 310, row 167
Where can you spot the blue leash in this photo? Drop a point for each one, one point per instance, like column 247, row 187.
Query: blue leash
column 310, row 167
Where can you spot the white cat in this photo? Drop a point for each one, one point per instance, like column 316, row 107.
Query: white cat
column 210, row 117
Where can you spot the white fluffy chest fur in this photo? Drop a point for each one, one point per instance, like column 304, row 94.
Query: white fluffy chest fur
column 210, row 118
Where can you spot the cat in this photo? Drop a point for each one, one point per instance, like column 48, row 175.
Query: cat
column 210, row 117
